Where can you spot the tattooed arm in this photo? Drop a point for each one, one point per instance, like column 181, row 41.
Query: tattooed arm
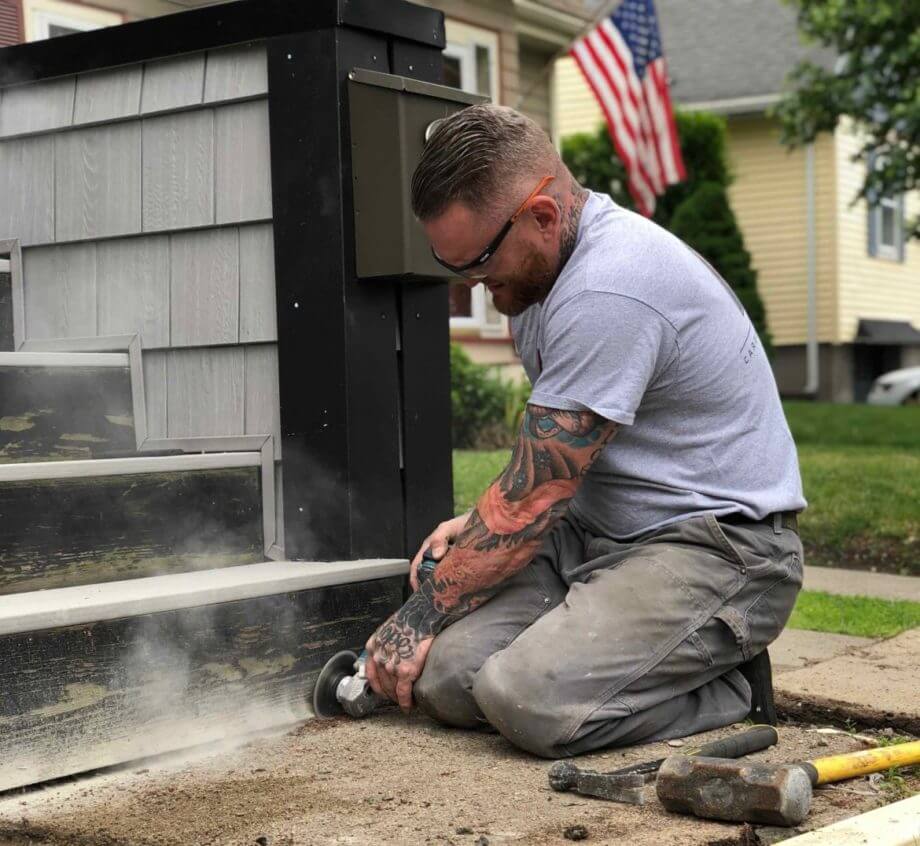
column 553, row 451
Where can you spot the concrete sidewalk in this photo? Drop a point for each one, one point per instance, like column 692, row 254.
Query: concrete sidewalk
column 875, row 683
column 860, row 583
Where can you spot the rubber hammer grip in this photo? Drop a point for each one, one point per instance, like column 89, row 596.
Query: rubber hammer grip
column 739, row 745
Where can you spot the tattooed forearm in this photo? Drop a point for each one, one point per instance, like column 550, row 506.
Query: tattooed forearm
column 553, row 452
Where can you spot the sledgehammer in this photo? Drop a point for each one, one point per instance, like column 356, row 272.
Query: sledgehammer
column 742, row 791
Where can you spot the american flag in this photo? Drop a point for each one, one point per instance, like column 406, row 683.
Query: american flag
column 622, row 61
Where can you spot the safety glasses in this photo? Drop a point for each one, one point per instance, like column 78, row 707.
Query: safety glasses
column 469, row 270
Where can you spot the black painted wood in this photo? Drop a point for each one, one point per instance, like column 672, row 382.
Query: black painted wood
column 61, row 532
column 6, row 312
column 338, row 374
column 57, row 413
column 424, row 364
column 82, row 697
column 215, row 26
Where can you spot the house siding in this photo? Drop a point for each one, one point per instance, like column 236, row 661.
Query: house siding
column 10, row 22
column 869, row 287
column 769, row 198
column 535, row 86
column 576, row 110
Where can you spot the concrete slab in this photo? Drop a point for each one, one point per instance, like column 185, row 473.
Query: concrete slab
column 860, row 583
column 384, row 780
column 897, row 824
column 796, row 648
column 876, row 685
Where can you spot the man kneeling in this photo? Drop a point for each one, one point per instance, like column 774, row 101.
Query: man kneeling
column 641, row 544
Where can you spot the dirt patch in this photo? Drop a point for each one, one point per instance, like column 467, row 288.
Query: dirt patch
column 386, row 780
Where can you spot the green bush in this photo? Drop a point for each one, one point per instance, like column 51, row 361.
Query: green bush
column 478, row 400
column 487, row 410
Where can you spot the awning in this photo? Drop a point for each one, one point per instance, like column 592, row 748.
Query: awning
column 886, row 332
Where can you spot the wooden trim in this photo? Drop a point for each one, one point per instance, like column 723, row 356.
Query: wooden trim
column 36, row 470
column 103, row 343
column 62, row 359
column 71, row 606
column 137, row 118
column 13, row 249
column 214, row 26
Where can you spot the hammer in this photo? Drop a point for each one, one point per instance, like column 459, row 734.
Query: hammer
column 742, row 791
column 625, row 785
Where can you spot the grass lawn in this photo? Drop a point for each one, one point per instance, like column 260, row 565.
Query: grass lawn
column 853, row 615
column 861, row 471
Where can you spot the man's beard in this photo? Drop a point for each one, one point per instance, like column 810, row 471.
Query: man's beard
column 536, row 276
column 530, row 285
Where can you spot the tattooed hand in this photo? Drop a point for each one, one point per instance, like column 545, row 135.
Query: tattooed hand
column 396, row 656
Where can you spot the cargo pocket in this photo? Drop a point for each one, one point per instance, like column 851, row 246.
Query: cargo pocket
column 738, row 625
column 766, row 616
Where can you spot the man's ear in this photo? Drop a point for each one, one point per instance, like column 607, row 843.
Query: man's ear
column 547, row 213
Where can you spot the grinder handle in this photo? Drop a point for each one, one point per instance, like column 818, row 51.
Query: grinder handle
column 736, row 746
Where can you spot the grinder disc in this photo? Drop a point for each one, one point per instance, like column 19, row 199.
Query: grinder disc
column 325, row 705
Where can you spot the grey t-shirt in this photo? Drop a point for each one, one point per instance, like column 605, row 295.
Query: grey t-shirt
column 641, row 330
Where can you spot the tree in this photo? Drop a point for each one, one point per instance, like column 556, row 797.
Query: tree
column 875, row 81
column 696, row 210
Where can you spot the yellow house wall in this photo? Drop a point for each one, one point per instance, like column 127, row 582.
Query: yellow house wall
column 869, row 287
column 575, row 109
column 769, row 198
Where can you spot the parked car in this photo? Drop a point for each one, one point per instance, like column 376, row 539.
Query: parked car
column 897, row 387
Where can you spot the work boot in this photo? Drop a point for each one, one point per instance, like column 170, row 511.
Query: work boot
column 759, row 675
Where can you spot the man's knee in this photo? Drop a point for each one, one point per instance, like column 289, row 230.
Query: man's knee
column 443, row 691
column 519, row 703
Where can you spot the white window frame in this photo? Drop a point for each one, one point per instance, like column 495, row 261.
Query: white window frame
column 462, row 41
column 478, row 307
column 884, row 250
column 40, row 15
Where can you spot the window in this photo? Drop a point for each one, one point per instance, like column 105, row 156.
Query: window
column 471, row 64
column 53, row 18
column 886, row 224
column 886, row 229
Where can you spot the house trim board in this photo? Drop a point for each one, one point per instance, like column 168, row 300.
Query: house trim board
column 14, row 251
column 72, row 606
column 61, row 359
column 33, row 471
column 214, row 26
column 734, row 106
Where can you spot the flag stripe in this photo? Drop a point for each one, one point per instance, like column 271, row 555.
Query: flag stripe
column 617, row 72
column 623, row 56
column 641, row 193
column 622, row 61
column 630, row 115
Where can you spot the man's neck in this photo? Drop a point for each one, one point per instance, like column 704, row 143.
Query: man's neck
column 571, row 218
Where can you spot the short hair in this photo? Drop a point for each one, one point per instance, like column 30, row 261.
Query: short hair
column 475, row 156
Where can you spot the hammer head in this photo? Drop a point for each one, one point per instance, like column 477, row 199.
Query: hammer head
column 740, row 791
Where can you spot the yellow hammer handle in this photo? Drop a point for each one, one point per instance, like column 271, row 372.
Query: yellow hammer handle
column 840, row 767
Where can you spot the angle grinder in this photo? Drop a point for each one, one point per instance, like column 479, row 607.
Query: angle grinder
column 342, row 686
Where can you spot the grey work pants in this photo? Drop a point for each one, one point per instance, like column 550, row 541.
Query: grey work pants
column 602, row 643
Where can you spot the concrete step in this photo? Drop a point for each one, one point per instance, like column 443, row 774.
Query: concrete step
column 99, row 675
